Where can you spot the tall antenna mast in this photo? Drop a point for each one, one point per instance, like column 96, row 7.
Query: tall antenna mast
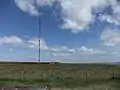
column 39, row 32
column 39, row 35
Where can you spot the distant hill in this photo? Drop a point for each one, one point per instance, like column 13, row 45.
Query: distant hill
column 30, row 62
column 116, row 63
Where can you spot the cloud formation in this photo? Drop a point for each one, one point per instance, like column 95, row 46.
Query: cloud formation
column 12, row 40
column 60, row 50
column 76, row 15
column 80, row 54
column 32, row 6
column 110, row 37
column 17, row 41
column 34, row 43
column 113, row 18
column 85, row 50
column 63, row 53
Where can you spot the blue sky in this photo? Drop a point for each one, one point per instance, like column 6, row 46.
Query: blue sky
column 72, row 31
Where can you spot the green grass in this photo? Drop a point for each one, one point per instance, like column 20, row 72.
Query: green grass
column 58, row 75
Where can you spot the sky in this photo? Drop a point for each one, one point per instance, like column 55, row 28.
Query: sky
column 72, row 31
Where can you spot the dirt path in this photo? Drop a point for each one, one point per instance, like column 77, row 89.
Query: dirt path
column 8, row 88
column 80, row 88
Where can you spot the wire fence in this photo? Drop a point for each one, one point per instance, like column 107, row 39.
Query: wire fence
column 58, row 76
column 86, row 76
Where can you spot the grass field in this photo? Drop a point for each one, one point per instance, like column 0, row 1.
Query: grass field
column 60, row 75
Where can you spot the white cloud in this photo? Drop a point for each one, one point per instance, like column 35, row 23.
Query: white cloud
column 34, row 43
column 32, row 6
column 45, row 2
column 73, row 54
column 115, row 53
column 72, row 50
column 82, row 55
column 111, row 37
column 79, row 50
column 67, row 53
column 43, row 44
column 59, row 48
column 61, row 54
column 62, row 49
column 85, row 50
column 77, row 14
column 10, row 40
column 27, row 6
column 65, row 49
column 113, row 18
